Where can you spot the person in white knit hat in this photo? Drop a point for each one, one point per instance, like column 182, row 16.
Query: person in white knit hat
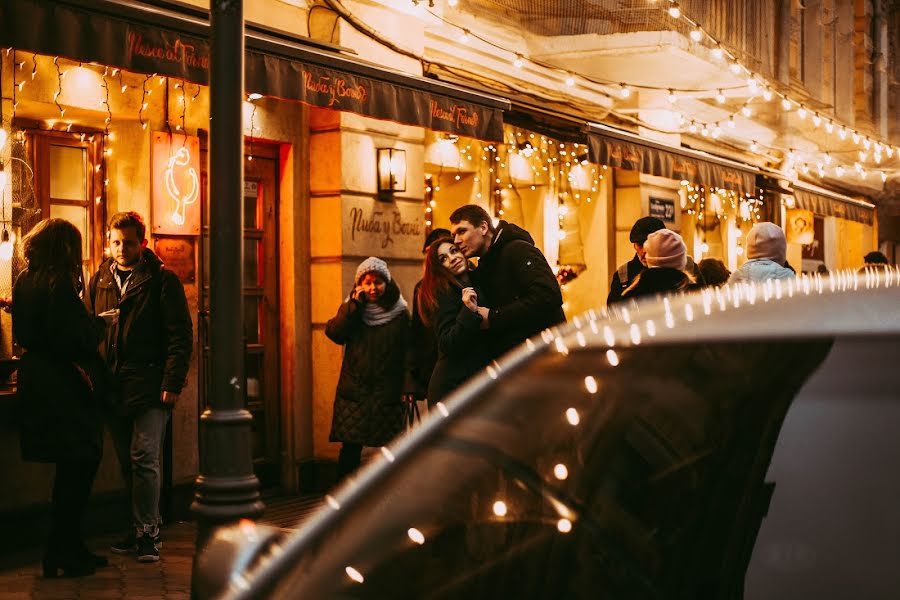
column 666, row 257
column 373, row 326
column 766, row 249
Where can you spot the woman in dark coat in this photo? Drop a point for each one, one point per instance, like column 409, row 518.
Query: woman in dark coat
column 449, row 303
column 60, row 378
column 373, row 326
column 666, row 257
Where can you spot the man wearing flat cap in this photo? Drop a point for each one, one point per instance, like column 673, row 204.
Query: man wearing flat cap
column 627, row 272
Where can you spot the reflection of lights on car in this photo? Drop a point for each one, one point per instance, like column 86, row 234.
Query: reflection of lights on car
column 572, row 417
column 612, row 357
column 500, row 508
column 560, row 471
column 416, row 535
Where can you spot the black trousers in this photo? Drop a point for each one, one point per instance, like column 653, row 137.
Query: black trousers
column 71, row 491
column 349, row 459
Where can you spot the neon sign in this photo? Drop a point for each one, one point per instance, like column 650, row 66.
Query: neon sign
column 176, row 184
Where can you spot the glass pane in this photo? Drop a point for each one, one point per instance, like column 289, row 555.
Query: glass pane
column 251, row 319
column 68, row 180
column 251, row 262
column 253, row 365
column 251, row 202
column 77, row 216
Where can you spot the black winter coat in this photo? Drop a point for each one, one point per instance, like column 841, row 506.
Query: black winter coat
column 659, row 280
column 149, row 351
column 463, row 346
column 422, row 353
column 57, row 409
column 634, row 267
column 368, row 403
column 522, row 292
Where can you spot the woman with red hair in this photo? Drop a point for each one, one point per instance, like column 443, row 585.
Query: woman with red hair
column 449, row 304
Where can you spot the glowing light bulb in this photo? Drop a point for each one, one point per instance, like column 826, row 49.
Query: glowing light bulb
column 747, row 111
column 720, row 97
column 735, row 68
column 672, row 97
column 590, row 384
column 767, row 95
column 717, row 53
column 499, row 508
column 785, row 104
column 564, row 525
column 570, row 81
column 817, row 120
column 801, row 113
column 572, row 417
column 696, row 35
column 829, row 127
column 674, row 11
column 625, row 91
column 519, row 61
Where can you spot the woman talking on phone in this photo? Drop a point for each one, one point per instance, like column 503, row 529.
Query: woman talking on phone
column 373, row 326
column 449, row 303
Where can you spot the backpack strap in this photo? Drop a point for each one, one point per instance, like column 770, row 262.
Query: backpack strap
column 623, row 274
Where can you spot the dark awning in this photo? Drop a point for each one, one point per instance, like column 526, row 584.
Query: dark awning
column 150, row 39
column 617, row 148
column 832, row 204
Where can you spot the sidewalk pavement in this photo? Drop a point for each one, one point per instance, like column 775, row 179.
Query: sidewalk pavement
column 125, row 577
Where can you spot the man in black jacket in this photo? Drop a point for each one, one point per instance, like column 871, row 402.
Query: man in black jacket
column 626, row 273
column 148, row 353
column 523, row 295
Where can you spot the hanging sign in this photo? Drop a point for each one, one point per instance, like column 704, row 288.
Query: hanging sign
column 175, row 168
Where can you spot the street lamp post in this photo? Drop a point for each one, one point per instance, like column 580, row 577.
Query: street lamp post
column 226, row 488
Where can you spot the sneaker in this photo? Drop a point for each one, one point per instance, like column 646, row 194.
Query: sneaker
column 128, row 544
column 146, row 549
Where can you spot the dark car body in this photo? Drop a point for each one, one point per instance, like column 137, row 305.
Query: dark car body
column 739, row 442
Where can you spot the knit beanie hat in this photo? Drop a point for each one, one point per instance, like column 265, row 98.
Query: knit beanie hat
column 644, row 227
column 665, row 248
column 766, row 240
column 373, row 264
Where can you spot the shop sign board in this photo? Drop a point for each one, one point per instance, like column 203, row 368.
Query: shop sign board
column 384, row 229
column 662, row 209
column 177, row 254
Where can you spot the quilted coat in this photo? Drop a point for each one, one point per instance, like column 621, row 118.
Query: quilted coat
column 368, row 404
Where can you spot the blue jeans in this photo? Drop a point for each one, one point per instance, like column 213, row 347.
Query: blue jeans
column 138, row 441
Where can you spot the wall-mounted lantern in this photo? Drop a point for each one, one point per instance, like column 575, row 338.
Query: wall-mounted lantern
column 391, row 171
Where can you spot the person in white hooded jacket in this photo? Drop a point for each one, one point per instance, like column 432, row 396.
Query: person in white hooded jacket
column 766, row 249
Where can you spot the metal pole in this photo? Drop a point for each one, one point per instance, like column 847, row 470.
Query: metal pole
column 226, row 488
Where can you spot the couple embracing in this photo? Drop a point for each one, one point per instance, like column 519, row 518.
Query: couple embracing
column 480, row 313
